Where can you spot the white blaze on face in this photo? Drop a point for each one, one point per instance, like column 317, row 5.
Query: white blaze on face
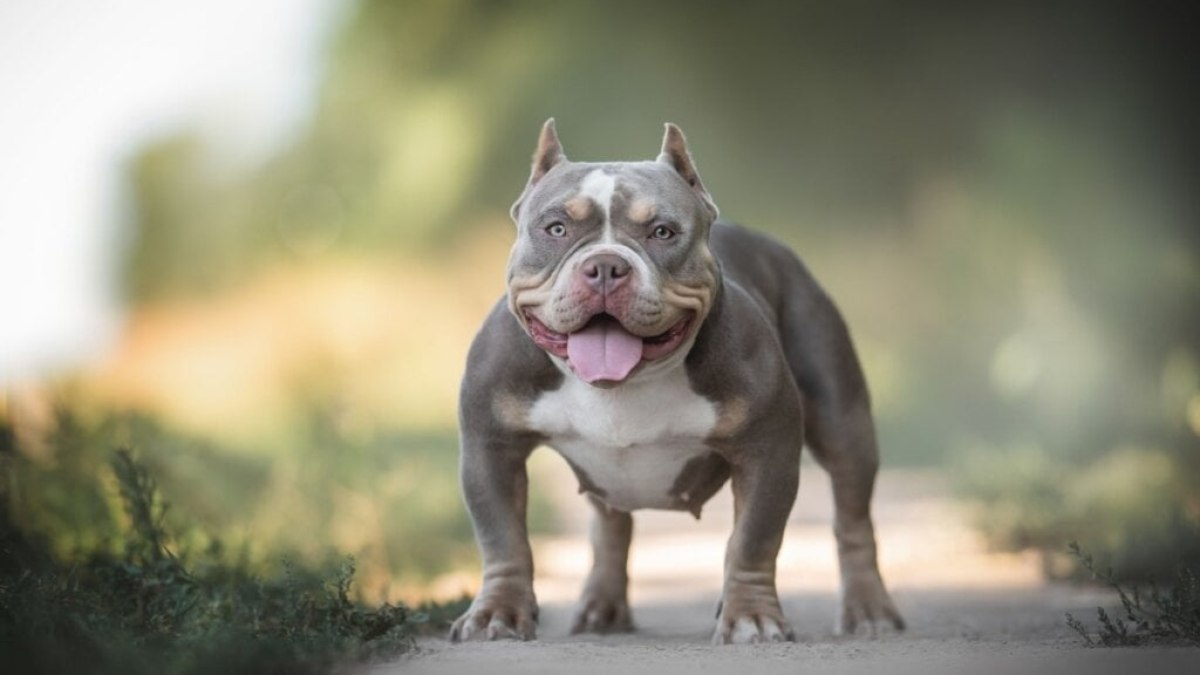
column 599, row 187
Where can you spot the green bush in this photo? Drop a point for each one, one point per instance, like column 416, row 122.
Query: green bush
column 137, row 605
column 390, row 498
column 1133, row 508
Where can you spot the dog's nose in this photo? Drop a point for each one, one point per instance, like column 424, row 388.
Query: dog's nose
column 605, row 271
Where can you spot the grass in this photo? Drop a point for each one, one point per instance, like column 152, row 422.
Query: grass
column 1147, row 617
column 140, row 605
column 389, row 497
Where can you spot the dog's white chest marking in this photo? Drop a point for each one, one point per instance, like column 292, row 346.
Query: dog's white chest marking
column 632, row 441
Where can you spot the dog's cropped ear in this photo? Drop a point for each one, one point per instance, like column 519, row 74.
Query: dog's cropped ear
column 547, row 155
column 675, row 154
column 549, row 152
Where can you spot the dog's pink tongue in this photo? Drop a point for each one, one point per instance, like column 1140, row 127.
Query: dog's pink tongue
column 603, row 350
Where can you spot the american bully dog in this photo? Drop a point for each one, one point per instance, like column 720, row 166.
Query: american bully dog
column 662, row 353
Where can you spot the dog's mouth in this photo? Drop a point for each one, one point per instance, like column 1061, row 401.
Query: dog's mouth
column 603, row 351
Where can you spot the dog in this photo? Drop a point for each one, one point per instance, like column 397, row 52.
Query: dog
column 662, row 353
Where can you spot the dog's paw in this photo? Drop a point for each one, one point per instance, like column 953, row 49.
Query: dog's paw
column 865, row 601
column 602, row 613
column 498, row 615
column 740, row 622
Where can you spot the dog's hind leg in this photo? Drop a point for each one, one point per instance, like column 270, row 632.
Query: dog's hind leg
column 604, row 604
column 841, row 434
column 843, row 441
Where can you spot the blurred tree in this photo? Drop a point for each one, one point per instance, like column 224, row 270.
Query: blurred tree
column 1001, row 198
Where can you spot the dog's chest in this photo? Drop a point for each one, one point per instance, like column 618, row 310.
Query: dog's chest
column 630, row 443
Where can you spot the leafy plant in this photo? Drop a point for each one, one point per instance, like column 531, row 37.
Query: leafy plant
column 435, row 617
column 1153, row 616
column 149, row 609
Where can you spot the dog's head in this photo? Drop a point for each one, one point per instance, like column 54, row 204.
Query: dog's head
column 611, row 272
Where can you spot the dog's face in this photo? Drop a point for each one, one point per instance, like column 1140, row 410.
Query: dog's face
column 611, row 272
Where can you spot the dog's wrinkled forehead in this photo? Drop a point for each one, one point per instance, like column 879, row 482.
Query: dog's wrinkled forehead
column 654, row 216
column 637, row 191
column 569, row 208
column 668, row 187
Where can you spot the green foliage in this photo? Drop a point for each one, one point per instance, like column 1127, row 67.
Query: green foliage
column 1131, row 507
column 1013, row 245
column 389, row 498
column 146, row 610
column 1149, row 617
column 992, row 230
column 436, row 617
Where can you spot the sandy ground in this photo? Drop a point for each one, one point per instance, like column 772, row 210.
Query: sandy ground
column 968, row 610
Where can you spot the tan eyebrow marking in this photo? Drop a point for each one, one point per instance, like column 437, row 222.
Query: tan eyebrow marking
column 642, row 211
column 578, row 207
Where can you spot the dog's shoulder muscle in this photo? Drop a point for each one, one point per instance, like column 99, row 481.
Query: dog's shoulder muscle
column 506, row 372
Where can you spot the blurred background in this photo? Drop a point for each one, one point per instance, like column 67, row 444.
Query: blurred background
column 254, row 241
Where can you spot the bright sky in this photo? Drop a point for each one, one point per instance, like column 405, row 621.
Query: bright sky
column 83, row 85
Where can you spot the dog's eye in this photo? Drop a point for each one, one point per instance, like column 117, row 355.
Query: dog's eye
column 662, row 232
column 556, row 230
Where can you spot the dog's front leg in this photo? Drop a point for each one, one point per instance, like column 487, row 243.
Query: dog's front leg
column 764, row 482
column 495, row 484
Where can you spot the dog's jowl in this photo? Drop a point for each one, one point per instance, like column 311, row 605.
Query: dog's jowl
column 662, row 353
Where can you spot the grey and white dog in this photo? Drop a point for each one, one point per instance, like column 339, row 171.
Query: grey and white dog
column 661, row 353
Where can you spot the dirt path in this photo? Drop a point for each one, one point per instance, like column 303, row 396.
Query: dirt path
column 968, row 610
